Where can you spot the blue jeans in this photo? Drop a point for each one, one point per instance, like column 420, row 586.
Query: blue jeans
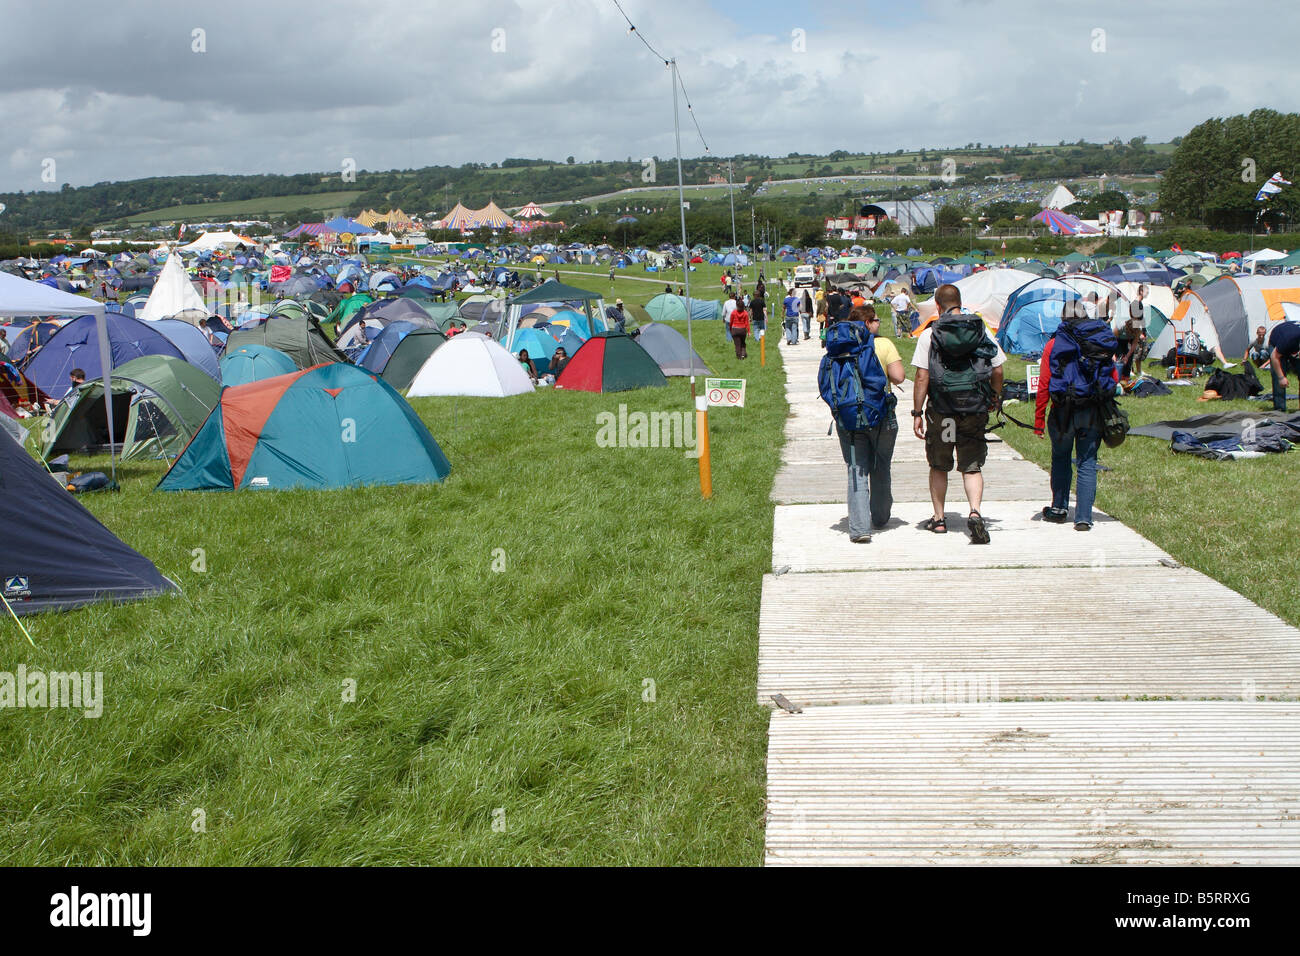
column 1087, row 441
column 1289, row 364
column 868, row 455
column 807, row 324
column 791, row 330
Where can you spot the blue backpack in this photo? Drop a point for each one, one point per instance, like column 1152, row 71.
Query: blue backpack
column 1082, row 362
column 851, row 380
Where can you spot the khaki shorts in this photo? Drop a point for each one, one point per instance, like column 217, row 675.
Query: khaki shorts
column 962, row 434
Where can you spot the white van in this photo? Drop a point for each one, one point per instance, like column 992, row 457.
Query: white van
column 805, row 277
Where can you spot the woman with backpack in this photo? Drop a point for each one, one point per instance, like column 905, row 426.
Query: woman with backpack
column 856, row 380
column 739, row 324
column 1079, row 360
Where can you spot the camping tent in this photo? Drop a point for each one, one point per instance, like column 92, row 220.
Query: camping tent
column 57, row 555
column 252, row 363
column 539, row 346
column 409, row 356
column 1032, row 314
column 172, row 293
column 1225, row 313
column 19, row 296
column 551, row 292
column 984, row 293
column 669, row 350
column 299, row 338
column 211, row 241
column 193, row 343
column 610, row 362
column 470, row 364
column 665, row 307
column 333, row 426
column 158, row 404
column 73, row 346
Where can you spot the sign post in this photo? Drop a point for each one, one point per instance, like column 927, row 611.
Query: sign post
column 725, row 392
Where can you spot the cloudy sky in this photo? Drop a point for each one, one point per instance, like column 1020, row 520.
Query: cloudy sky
column 130, row 89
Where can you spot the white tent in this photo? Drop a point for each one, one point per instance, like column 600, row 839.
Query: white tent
column 172, row 293
column 470, row 365
column 1264, row 255
column 984, row 293
column 19, row 296
column 210, row 241
column 1059, row 198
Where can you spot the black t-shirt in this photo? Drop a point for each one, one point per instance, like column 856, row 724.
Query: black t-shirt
column 1286, row 338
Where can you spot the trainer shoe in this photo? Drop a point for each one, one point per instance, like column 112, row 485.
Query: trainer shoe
column 1083, row 526
column 1055, row 515
column 861, row 539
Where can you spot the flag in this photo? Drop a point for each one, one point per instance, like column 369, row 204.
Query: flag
column 1176, row 247
column 1272, row 187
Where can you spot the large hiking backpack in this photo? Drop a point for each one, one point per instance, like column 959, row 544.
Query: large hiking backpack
column 1082, row 363
column 961, row 365
column 851, row 379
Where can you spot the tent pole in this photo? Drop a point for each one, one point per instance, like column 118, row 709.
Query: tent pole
column 681, row 210
column 106, row 363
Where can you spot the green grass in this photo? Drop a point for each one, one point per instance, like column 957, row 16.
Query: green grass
column 1230, row 520
column 324, row 204
column 475, row 690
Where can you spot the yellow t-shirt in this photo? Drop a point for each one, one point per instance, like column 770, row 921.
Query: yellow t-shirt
column 886, row 351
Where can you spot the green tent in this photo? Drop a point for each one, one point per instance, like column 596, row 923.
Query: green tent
column 610, row 362
column 300, row 338
column 349, row 307
column 409, row 356
column 159, row 403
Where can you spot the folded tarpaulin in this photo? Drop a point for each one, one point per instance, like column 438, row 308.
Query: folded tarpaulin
column 1223, row 425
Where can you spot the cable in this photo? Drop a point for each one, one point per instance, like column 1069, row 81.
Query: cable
column 631, row 29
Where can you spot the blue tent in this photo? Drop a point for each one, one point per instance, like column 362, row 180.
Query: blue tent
column 381, row 348
column 57, row 555
column 342, row 224
column 1032, row 314
column 76, row 345
column 192, row 342
column 332, row 426
column 252, row 363
column 539, row 345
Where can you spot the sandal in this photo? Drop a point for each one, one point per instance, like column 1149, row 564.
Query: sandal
column 975, row 525
column 937, row 525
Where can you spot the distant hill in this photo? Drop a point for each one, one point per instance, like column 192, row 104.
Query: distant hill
column 513, row 182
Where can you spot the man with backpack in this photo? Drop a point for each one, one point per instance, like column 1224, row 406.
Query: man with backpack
column 854, row 380
column 1079, row 375
column 791, row 318
column 958, row 382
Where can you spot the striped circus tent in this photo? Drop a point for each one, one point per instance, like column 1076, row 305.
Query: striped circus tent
column 399, row 221
column 369, row 218
column 309, row 229
column 1062, row 223
column 531, row 211
column 492, row 215
column 459, row 218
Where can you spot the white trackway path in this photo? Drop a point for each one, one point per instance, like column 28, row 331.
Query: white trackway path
column 1125, row 733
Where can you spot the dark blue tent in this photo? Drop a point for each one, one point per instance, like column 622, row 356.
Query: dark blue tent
column 383, row 345
column 76, row 345
column 56, row 554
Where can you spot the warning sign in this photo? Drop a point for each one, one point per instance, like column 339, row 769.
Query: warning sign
column 1031, row 375
column 725, row 392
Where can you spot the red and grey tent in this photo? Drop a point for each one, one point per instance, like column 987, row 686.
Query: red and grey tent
column 610, row 362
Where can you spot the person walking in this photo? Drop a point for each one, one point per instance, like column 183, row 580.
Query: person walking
column 791, row 318
column 739, row 323
column 1077, row 374
column 806, row 313
column 855, row 379
column 758, row 311
column 958, row 382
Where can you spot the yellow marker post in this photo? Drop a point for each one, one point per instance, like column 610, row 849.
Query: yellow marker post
column 762, row 350
column 702, row 445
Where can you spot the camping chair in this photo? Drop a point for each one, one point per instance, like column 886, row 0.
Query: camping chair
column 1185, row 365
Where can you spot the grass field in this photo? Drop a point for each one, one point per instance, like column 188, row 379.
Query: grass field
column 325, row 204
column 1230, row 520
column 500, row 718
